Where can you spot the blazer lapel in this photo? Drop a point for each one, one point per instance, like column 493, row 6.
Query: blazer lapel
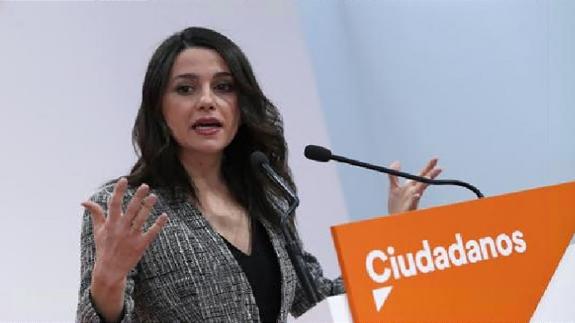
column 288, row 284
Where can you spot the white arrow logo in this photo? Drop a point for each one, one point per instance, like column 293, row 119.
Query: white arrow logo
column 380, row 295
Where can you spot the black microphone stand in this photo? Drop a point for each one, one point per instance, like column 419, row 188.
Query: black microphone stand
column 295, row 253
column 294, row 249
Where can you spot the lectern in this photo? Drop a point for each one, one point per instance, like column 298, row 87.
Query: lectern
column 484, row 260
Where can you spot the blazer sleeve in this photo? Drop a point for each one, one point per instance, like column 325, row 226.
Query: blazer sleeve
column 86, row 311
column 326, row 287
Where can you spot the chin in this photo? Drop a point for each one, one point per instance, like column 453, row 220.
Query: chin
column 207, row 149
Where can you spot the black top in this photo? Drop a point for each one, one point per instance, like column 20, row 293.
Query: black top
column 263, row 272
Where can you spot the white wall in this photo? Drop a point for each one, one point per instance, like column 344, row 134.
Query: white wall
column 70, row 83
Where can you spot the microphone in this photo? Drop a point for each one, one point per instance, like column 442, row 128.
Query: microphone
column 317, row 153
column 323, row 154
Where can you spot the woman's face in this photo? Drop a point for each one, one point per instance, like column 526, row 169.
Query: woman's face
column 200, row 104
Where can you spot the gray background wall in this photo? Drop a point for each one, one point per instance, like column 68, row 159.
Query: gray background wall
column 487, row 86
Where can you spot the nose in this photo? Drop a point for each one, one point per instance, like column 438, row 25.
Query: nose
column 207, row 99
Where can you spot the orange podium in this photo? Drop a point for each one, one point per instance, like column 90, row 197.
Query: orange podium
column 484, row 260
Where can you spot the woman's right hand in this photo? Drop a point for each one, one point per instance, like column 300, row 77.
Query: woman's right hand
column 120, row 243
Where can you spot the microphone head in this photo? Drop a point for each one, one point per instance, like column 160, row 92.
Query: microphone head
column 317, row 153
column 257, row 158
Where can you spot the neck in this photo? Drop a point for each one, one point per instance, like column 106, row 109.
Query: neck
column 214, row 198
column 205, row 172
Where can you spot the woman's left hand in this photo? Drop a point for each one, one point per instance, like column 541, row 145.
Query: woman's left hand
column 403, row 198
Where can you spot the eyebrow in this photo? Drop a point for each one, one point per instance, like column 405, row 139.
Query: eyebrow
column 192, row 76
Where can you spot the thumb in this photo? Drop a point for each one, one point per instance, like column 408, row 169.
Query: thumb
column 96, row 213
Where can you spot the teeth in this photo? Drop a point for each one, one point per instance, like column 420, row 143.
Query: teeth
column 206, row 126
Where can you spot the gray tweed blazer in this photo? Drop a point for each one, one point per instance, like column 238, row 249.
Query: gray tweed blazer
column 188, row 274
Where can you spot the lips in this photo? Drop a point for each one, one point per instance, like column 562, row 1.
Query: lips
column 207, row 126
column 207, row 123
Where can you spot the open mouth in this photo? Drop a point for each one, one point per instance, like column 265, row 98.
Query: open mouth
column 207, row 123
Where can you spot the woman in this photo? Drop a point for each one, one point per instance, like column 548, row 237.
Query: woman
column 220, row 256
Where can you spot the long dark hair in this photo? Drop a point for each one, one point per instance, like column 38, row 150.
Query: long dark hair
column 261, row 129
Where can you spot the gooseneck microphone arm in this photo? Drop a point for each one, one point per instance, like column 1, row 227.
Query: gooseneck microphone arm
column 322, row 154
column 260, row 162
column 274, row 177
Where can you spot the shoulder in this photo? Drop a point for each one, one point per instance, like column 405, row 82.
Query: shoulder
column 166, row 202
column 105, row 192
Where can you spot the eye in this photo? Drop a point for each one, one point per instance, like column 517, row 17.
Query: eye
column 184, row 89
column 225, row 87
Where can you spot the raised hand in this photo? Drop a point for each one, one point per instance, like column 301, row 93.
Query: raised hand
column 403, row 198
column 120, row 243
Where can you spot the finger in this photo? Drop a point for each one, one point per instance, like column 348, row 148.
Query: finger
column 414, row 201
column 115, row 202
column 96, row 213
column 411, row 198
column 415, row 197
column 427, row 172
column 435, row 172
column 420, row 187
column 156, row 228
column 135, row 204
column 430, row 165
column 393, row 180
column 411, row 191
column 144, row 212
